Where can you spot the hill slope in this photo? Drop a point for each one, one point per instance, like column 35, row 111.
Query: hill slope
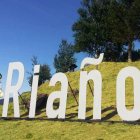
column 72, row 130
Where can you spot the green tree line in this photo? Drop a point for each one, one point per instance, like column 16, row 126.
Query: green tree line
column 103, row 26
column 107, row 26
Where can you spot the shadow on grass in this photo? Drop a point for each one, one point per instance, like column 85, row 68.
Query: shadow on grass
column 113, row 113
column 38, row 110
column 107, row 117
column 110, row 115
column 72, row 106
column 71, row 115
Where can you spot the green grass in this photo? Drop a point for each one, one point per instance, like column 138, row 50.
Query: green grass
column 77, row 130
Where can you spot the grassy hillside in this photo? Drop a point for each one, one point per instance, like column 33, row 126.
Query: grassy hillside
column 76, row 130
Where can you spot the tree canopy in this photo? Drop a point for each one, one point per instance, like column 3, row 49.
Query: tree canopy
column 124, row 22
column 107, row 26
column 65, row 57
column 44, row 73
column 89, row 30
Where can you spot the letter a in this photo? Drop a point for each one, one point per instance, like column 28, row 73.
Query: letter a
column 51, row 113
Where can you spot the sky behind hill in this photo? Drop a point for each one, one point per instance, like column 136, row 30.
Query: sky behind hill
column 35, row 27
column 32, row 27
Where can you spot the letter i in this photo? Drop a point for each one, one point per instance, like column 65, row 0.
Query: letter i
column 34, row 92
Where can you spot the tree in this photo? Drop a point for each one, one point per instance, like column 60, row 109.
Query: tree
column 135, row 55
column 114, row 53
column 102, row 22
column 65, row 57
column 44, row 73
column 124, row 22
column 88, row 29
column 91, row 31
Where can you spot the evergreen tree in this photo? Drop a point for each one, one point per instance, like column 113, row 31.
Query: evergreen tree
column 105, row 22
column 124, row 22
column 91, row 31
column 44, row 73
column 65, row 57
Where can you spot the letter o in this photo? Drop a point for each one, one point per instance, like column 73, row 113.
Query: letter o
column 125, row 114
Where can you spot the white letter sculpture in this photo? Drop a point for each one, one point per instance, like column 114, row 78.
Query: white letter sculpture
column 125, row 114
column 95, row 75
column 51, row 113
column 13, row 89
column 34, row 92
